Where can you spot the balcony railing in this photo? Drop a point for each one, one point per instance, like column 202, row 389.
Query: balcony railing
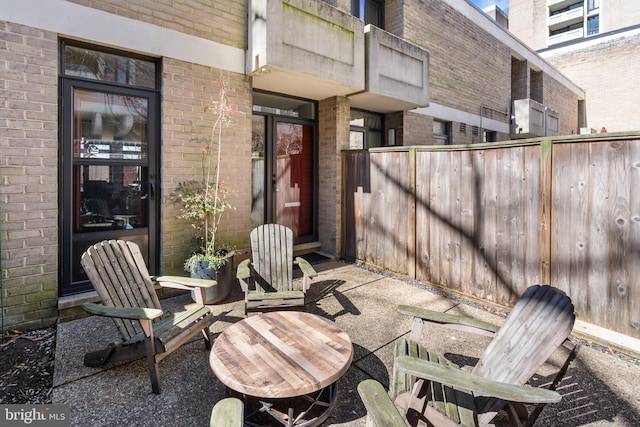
column 566, row 18
column 578, row 33
column 533, row 119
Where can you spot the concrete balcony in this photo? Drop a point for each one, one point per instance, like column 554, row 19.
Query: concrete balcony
column 397, row 74
column 305, row 48
column 578, row 33
column 567, row 18
column 532, row 119
column 309, row 49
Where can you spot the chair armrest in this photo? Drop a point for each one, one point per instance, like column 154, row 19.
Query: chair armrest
column 180, row 282
column 132, row 313
column 305, row 267
column 244, row 271
column 227, row 412
column 380, row 409
column 437, row 317
column 469, row 382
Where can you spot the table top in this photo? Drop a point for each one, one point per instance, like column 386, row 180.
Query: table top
column 281, row 354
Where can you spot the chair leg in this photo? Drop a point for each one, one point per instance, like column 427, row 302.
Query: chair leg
column 152, row 364
column 207, row 338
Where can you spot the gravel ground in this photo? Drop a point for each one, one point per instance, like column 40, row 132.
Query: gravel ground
column 26, row 366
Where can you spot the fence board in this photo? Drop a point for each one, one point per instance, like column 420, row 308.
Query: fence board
column 467, row 201
column 598, row 246
column 532, row 213
column 578, row 222
column 619, row 245
column 489, row 224
column 634, row 238
column 423, row 216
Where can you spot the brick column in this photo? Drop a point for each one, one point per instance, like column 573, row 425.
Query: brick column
column 333, row 136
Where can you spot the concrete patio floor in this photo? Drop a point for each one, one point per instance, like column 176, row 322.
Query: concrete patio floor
column 600, row 389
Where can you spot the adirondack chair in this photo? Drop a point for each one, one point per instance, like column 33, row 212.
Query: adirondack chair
column 427, row 389
column 119, row 275
column 227, row 412
column 271, row 271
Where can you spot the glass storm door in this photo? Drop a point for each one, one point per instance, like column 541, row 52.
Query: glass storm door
column 109, row 169
column 294, row 177
column 283, row 175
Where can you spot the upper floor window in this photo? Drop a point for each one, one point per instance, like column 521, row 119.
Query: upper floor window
column 593, row 25
column 370, row 11
column 592, row 4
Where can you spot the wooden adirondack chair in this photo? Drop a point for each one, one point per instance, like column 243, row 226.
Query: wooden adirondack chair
column 119, row 275
column 227, row 412
column 271, row 271
column 430, row 390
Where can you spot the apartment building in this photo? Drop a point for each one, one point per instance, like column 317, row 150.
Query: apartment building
column 593, row 42
column 104, row 102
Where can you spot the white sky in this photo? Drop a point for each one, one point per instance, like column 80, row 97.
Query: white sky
column 502, row 4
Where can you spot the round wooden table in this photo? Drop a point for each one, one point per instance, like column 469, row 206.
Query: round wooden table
column 284, row 357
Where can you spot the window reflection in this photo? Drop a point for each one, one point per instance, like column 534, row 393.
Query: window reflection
column 111, row 198
column 95, row 65
column 109, row 126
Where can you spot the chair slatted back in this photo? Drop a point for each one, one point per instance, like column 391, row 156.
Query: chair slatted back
column 538, row 324
column 272, row 256
column 118, row 273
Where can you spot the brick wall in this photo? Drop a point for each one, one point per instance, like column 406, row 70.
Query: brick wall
column 468, row 66
column 608, row 73
column 417, row 129
column 187, row 90
column 221, row 21
column 520, row 80
column 559, row 98
column 28, row 186
column 333, row 136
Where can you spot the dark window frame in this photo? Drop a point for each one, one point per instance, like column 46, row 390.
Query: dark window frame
column 67, row 161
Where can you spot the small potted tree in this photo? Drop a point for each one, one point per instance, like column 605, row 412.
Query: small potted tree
column 203, row 202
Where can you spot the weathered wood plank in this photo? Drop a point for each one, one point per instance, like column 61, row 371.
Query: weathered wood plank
column 595, row 310
column 468, row 247
column 533, row 221
column 546, row 203
column 281, row 354
column 633, row 328
column 423, row 215
column 579, row 223
column 619, row 245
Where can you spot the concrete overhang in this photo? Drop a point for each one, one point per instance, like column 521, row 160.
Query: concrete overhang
column 309, row 49
column 396, row 74
column 305, row 48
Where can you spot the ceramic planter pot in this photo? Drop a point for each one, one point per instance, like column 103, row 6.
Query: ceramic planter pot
column 224, row 276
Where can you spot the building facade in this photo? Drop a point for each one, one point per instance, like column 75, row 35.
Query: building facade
column 593, row 42
column 106, row 104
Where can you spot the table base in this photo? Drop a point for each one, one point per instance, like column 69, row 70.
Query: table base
column 301, row 411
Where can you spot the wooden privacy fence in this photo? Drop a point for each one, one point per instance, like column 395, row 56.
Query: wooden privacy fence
column 490, row 220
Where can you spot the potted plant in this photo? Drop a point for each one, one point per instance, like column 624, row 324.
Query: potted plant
column 203, row 202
